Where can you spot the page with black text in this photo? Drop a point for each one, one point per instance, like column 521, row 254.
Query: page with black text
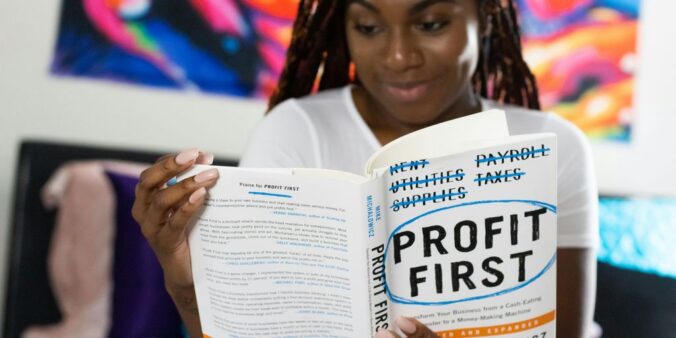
column 277, row 254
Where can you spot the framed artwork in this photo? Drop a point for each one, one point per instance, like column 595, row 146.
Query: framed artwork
column 230, row 47
column 584, row 56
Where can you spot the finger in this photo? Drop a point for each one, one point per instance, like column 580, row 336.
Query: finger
column 173, row 197
column 386, row 334
column 205, row 158
column 414, row 329
column 173, row 234
column 158, row 174
column 140, row 192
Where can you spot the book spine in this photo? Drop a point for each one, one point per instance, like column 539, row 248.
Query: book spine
column 374, row 206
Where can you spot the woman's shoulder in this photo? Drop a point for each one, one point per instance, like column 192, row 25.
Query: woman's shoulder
column 292, row 133
column 325, row 109
column 330, row 98
column 527, row 121
column 285, row 137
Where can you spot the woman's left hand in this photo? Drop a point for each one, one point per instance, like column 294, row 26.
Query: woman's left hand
column 409, row 326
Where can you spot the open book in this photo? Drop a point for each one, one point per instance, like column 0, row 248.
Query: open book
column 454, row 224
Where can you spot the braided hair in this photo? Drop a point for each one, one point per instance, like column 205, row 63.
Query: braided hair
column 314, row 63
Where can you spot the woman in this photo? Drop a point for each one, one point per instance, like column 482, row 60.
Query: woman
column 388, row 67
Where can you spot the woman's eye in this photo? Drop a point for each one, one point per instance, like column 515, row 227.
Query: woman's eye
column 367, row 29
column 431, row 26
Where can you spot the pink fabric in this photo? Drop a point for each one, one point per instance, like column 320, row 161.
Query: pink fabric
column 81, row 249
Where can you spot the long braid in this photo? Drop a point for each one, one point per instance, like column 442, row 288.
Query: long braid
column 318, row 42
column 337, row 58
column 502, row 73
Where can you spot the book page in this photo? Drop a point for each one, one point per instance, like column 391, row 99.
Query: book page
column 375, row 220
column 274, row 254
column 472, row 244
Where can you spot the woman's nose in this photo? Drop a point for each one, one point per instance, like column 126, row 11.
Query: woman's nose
column 402, row 51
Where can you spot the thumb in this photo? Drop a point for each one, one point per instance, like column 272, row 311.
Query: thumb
column 414, row 329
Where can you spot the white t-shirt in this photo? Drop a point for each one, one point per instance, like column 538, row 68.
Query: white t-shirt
column 325, row 130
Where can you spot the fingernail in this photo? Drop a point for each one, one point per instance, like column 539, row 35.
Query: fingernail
column 385, row 334
column 406, row 325
column 206, row 175
column 187, row 156
column 205, row 158
column 197, row 195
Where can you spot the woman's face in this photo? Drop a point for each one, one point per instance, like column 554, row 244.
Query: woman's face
column 415, row 58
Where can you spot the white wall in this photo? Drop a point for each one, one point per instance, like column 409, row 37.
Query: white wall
column 33, row 104
column 647, row 166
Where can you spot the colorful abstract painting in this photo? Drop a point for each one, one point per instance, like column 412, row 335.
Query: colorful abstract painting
column 583, row 53
column 230, row 47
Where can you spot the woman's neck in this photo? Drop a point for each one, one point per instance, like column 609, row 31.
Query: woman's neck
column 387, row 128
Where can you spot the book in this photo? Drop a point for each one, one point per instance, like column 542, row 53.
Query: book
column 454, row 225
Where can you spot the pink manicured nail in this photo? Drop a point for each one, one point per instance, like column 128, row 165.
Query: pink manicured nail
column 385, row 334
column 197, row 195
column 187, row 156
column 205, row 158
column 406, row 325
column 206, row 175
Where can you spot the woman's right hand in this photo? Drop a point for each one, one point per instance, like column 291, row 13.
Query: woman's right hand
column 164, row 212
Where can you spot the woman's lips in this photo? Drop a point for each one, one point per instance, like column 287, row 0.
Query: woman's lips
column 407, row 92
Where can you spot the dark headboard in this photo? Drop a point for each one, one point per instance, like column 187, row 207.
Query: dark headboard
column 29, row 299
